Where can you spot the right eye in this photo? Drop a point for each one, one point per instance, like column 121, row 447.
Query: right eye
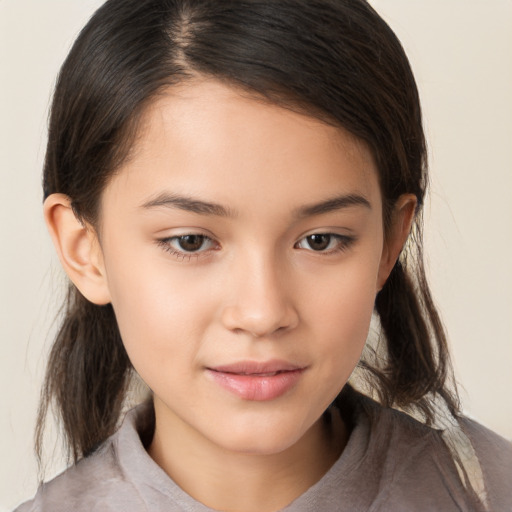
column 187, row 245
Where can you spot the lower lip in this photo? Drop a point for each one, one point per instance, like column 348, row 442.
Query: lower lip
column 257, row 387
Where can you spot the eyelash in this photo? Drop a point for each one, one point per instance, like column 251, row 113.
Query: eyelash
column 165, row 243
column 343, row 243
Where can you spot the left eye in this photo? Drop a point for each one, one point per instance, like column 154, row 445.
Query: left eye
column 322, row 242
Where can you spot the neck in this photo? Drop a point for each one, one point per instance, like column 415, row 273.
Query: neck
column 234, row 481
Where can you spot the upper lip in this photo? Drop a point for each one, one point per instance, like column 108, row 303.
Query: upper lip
column 257, row 367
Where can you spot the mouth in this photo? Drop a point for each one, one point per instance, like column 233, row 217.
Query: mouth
column 257, row 381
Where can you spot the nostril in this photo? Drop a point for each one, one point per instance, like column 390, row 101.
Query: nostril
column 270, row 323
column 260, row 302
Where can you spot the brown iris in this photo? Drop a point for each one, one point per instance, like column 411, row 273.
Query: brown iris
column 191, row 243
column 319, row 242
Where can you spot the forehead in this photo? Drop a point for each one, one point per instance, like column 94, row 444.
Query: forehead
column 211, row 139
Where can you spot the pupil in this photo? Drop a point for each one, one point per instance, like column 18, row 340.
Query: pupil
column 191, row 242
column 319, row 242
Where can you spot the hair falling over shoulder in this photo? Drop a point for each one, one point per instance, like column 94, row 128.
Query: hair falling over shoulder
column 87, row 376
column 336, row 60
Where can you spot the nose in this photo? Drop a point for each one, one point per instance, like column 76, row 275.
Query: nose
column 259, row 300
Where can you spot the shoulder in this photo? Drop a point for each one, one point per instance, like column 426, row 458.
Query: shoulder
column 423, row 463
column 414, row 467
column 84, row 486
column 494, row 453
column 99, row 482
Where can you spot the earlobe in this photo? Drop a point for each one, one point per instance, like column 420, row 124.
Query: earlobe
column 401, row 223
column 78, row 249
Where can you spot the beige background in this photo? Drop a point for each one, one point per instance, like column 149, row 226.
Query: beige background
column 461, row 51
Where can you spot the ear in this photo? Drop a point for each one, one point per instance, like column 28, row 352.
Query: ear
column 78, row 249
column 401, row 222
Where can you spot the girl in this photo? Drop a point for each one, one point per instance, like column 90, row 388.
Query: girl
column 235, row 191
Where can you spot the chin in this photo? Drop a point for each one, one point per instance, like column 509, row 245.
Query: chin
column 266, row 439
column 262, row 446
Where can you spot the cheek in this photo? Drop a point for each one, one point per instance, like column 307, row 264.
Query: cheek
column 161, row 315
column 343, row 333
column 340, row 316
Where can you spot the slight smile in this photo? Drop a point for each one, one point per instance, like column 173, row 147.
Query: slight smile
column 257, row 381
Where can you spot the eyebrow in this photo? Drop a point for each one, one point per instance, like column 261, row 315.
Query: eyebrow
column 188, row 204
column 335, row 203
column 201, row 207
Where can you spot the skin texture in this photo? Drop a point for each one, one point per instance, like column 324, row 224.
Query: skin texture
column 256, row 290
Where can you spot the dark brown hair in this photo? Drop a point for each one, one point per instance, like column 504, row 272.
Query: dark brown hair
column 333, row 59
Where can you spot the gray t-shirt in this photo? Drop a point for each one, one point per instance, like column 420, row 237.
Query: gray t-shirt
column 390, row 463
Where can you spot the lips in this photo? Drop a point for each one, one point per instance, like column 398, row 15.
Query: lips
column 257, row 381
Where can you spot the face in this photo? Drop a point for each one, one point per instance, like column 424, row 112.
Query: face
column 243, row 248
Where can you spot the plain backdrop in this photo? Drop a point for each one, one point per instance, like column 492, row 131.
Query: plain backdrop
column 461, row 52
